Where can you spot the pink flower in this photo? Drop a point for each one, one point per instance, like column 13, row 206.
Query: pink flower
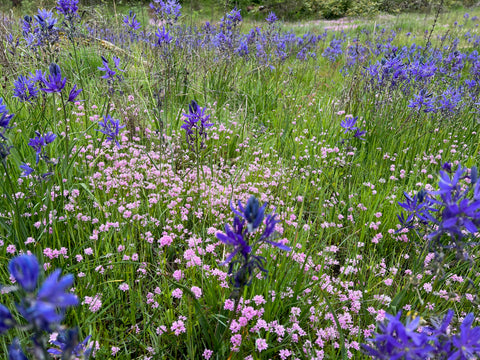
column 207, row 354
column 177, row 293
column 388, row 282
column 261, row 344
column 115, row 350
column 165, row 240
column 178, row 327
column 196, row 291
column 124, row 287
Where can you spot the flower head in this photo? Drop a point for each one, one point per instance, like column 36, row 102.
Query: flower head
column 54, row 82
column 25, row 89
column 68, row 8
column 130, row 22
column 349, row 124
column 25, row 269
column 111, row 127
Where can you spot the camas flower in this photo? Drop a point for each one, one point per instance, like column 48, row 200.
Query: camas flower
column 349, row 124
column 73, row 94
column 39, row 142
column 4, row 116
column 42, row 312
column 25, row 269
column 54, row 83
column 129, row 21
column 68, row 8
column 111, row 127
column 196, row 124
column 24, row 89
column 6, row 319
column 15, row 351
column 69, row 345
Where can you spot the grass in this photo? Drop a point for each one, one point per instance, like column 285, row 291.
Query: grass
column 277, row 136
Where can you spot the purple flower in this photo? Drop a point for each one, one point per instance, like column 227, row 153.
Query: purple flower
column 109, row 73
column 27, row 170
column 52, row 296
column 163, row 36
column 24, row 269
column 349, row 124
column 25, row 89
column 196, row 124
column 6, row 319
column 111, row 127
column 54, row 82
column 73, row 94
column 4, row 116
column 271, row 18
column 39, row 142
column 69, row 345
column 234, row 237
column 129, row 21
column 252, row 213
column 467, row 343
column 68, row 8
column 398, row 341
column 359, row 134
column 15, row 351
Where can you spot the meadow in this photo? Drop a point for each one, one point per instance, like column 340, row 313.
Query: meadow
column 236, row 189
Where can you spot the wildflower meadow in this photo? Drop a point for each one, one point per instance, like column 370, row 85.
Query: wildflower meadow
column 241, row 187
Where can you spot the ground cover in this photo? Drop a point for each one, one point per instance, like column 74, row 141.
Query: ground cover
column 228, row 191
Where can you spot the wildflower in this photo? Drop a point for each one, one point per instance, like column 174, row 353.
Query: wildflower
column 24, row 269
column 111, row 128
column 169, row 10
column 348, row 124
column 73, row 94
column 423, row 101
column 54, row 82
column 15, row 351
column 4, row 150
column 271, row 18
column 196, row 123
column 25, row 89
column 69, row 345
column 253, row 213
column 6, row 319
column 5, row 117
column 129, row 21
column 241, row 237
column 359, row 133
column 396, row 340
column 163, row 36
column 51, row 296
column 39, row 142
column 68, row 8
column 109, row 73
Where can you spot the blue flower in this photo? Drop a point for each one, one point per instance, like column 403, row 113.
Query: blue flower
column 6, row 319
column 15, row 351
column 349, row 124
column 52, row 296
column 54, row 83
column 27, row 170
column 130, row 22
column 111, row 127
column 196, row 124
column 5, row 117
column 25, row 89
column 69, row 345
column 73, row 94
column 39, row 142
column 68, row 8
column 467, row 343
column 24, row 269
column 271, row 18
column 235, row 237
column 163, row 36
column 398, row 341
column 253, row 213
